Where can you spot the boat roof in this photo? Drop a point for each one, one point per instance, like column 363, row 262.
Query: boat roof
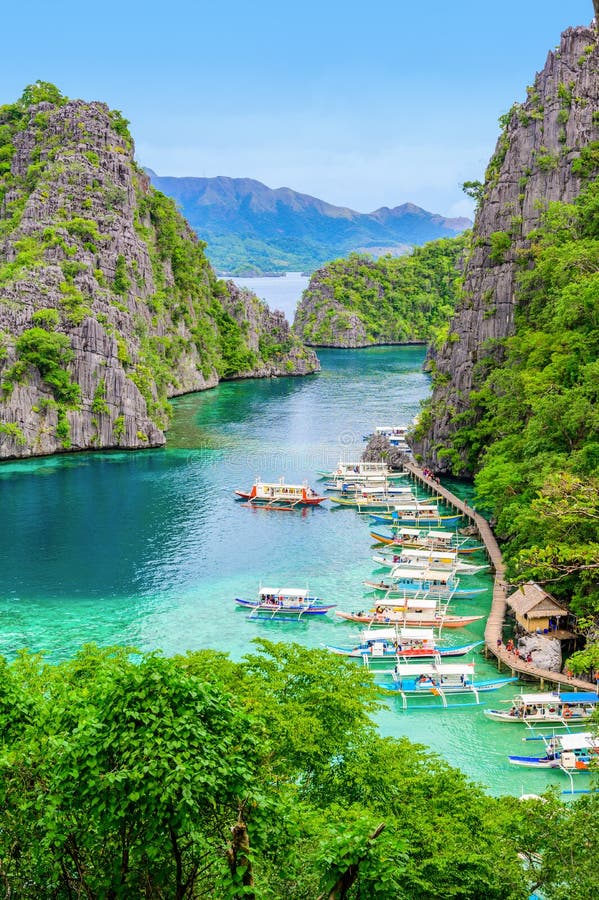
column 416, row 506
column 578, row 741
column 558, row 697
column 391, row 634
column 285, row 592
column 429, row 668
column 412, row 573
column 441, row 535
column 424, row 553
column 408, row 603
column 579, row 697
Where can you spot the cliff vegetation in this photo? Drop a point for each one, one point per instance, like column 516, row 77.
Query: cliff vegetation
column 108, row 304
column 359, row 301
column 516, row 386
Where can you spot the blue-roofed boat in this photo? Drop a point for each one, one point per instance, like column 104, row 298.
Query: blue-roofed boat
column 564, row 708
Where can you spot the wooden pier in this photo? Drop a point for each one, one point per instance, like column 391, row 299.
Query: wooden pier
column 496, row 617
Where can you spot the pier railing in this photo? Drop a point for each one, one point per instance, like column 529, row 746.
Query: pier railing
column 494, row 643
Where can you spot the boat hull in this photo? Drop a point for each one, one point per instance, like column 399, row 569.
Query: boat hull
column 408, row 618
column 314, row 608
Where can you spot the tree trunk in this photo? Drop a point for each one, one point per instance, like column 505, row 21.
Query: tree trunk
column 344, row 882
column 238, row 854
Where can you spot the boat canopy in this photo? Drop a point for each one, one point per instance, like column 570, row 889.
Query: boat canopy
column 416, row 506
column 407, row 603
column 584, row 740
column 285, row 592
column 411, row 573
column 441, row 535
column 409, row 532
column 400, row 634
column 433, row 669
column 415, row 553
column 579, row 697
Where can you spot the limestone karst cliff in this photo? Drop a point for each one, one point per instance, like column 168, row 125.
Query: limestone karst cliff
column 359, row 302
column 108, row 305
column 535, row 162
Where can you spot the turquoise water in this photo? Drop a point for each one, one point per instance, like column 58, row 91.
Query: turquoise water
column 149, row 549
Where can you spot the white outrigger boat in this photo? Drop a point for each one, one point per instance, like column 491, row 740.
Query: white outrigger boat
column 571, row 753
column 382, row 645
column 557, row 707
column 377, row 489
column 417, row 538
column 281, row 603
column 411, row 580
column 363, row 472
column 439, row 679
column 443, row 560
column 395, row 434
column 367, row 502
column 278, row 495
column 420, row 611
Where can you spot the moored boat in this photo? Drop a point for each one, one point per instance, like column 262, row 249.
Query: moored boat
column 420, row 611
column 282, row 602
column 410, row 580
column 437, row 679
column 570, row 752
column 367, row 502
column 418, row 517
column 559, row 707
column 279, row 495
column 433, row 559
column 381, row 645
column 366, row 472
column 404, row 536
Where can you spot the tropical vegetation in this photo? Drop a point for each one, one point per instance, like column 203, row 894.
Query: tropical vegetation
column 392, row 299
column 126, row 775
column 531, row 430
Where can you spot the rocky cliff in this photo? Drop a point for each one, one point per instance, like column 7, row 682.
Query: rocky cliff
column 108, row 305
column 360, row 302
column 537, row 160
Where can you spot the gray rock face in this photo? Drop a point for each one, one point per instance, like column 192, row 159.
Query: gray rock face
column 532, row 166
column 124, row 278
column 546, row 652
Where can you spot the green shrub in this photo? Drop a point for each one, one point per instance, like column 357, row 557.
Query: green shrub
column 46, row 318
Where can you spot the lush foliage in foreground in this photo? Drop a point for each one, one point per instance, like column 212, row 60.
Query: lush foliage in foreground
column 532, row 428
column 196, row 777
column 409, row 298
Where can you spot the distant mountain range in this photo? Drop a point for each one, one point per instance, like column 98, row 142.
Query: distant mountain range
column 252, row 229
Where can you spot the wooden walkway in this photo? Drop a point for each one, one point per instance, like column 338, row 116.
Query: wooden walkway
column 496, row 617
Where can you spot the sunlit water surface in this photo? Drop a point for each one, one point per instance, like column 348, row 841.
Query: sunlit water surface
column 149, row 549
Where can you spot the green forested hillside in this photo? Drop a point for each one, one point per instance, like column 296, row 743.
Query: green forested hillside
column 532, row 428
column 359, row 301
column 196, row 777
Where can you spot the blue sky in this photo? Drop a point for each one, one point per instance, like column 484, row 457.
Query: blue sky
column 361, row 104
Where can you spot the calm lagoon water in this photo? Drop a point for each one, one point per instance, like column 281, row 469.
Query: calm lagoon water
column 282, row 292
column 149, row 549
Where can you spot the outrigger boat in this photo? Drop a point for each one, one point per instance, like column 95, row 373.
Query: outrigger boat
column 282, row 602
column 351, row 488
column 423, row 515
column 395, row 434
column 363, row 472
column 560, row 707
column 439, row 679
column 421, row 611
column 386, row 644
column 403, row 536
column 570, row 752
column 409, row 580
column 278, row 495
column 433, row 559
column 368, row 502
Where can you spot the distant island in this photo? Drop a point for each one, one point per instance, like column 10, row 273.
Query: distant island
column 251, row 229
